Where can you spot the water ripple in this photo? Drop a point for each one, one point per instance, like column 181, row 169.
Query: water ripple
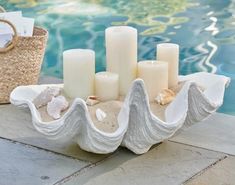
column 204, row 29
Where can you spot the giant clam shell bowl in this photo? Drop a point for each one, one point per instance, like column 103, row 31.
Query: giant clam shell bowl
column 138, row 127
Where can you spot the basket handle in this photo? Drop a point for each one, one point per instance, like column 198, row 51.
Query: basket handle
column 2, row 9
column 13, row 42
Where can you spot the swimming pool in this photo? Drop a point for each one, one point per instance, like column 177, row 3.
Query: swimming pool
column 204, row 29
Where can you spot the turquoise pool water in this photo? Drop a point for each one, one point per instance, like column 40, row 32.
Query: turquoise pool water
column 205, row 30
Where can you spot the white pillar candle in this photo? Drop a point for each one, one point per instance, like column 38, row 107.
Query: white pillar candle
column 155, row 76
column 169, row 52
column 106, row 86
column 79, row 72
column 121, row 54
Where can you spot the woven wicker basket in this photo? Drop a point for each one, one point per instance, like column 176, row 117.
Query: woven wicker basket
column 20, row 61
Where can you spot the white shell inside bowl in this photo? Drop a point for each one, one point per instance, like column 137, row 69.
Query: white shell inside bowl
column 138, row 126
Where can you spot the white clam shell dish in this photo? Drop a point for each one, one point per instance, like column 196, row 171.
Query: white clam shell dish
column 139, row 128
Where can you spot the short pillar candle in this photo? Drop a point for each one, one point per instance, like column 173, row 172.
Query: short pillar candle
column 106, row 86
column 169, row 53
column 121, row 54
column 79, row 72
column 155, row 76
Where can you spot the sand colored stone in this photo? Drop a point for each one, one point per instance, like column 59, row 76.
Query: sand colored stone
column 109, row 124
column 158, row 110
column 222, row 173
column 112, row 109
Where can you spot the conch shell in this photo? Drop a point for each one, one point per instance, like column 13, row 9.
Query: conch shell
column 92, row 100
column 56, row 106
column 46, row 96
column 165, row 96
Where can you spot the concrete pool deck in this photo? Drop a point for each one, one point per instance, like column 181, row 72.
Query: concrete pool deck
column 204, row 154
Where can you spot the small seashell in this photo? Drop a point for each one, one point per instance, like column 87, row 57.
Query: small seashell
column 92, row 100
column 167, row 100
column 165, row 96
column 56, row 106
column 46, row 96
column 100, row 115
column 159, row 98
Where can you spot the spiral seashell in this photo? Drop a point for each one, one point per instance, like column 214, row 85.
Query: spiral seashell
column 92, row 100
column 165, row 96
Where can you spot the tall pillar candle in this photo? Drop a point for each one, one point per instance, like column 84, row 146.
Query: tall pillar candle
column 169, row 52
column 79, row 72
column 155, row 76
column 106, row 86
column 121, row 54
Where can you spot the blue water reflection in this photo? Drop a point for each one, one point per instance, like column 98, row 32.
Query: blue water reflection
column 205, row 30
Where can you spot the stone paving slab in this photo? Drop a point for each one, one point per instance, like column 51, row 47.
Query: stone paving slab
column 168, row 163
column 119, row 157
column 215, row 133
column 222, row 173
column 25, row 165
column 16, row 124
